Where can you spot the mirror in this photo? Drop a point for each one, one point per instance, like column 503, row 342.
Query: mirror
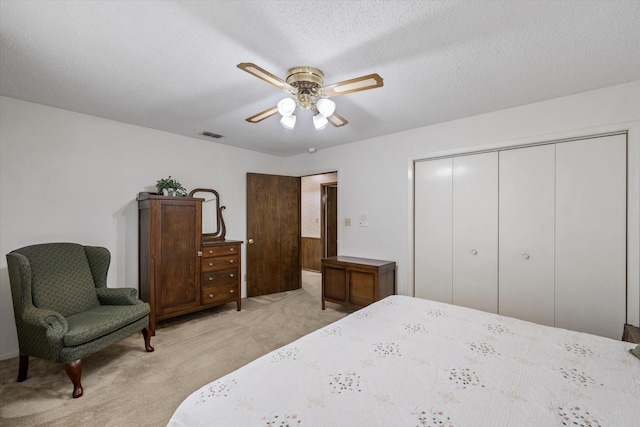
column 213, row 227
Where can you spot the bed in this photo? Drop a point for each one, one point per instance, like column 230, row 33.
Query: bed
column 405, row 361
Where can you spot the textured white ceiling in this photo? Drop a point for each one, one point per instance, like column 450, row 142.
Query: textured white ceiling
column 171, row 65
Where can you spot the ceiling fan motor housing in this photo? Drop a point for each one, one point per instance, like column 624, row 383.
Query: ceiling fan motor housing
column 308, row 81
column 305, row 75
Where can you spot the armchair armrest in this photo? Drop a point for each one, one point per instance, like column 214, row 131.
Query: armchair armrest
column 118, row 296
column 52, row 321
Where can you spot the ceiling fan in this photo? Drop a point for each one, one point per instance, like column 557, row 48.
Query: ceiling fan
column 306, row 84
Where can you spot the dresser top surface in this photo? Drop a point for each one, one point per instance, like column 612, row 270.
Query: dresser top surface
column 222, row 242
column 358, row 261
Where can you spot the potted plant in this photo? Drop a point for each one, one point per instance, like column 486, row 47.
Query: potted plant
column 170, row 187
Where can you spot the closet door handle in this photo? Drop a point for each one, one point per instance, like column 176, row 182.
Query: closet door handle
column 474, row 252
column 525, row 256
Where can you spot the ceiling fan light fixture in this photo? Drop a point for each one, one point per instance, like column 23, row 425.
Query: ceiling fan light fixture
column 320, row 121
column 289, row 121
column 326, row 107
column 286, row 107
column 306, row 86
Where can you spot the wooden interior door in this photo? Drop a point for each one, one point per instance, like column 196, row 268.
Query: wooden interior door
column 273, row 234
column 329, row 232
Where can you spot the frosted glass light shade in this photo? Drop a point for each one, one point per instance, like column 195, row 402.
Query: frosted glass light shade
column 320, row 121
column 286, row 107
column 288, row 121
column 326, row 107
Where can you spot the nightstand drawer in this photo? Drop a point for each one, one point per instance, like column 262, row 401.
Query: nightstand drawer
column 219, row 263
column 220, row 277
column 219, row 293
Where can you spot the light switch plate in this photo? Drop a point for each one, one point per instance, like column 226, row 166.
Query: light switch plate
column 364, row 219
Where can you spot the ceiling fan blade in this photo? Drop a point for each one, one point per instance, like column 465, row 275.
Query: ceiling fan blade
column 337, row 120
column 263, row 115
column 370, row 81
column 263, row 74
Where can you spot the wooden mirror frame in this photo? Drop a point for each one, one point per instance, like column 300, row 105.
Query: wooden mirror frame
column 221, row 229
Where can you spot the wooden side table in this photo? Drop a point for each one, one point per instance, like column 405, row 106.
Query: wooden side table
column 356, row 282
column 631, row 334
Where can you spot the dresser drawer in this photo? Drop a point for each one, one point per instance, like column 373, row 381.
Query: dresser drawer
column 210, row 251
column 219, row 263
column 219, row 293
column 220, row 277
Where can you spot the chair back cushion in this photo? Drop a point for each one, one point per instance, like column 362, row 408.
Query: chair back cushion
column 61, row 278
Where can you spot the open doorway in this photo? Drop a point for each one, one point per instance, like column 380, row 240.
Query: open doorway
column 329, row 219
column 319, row 218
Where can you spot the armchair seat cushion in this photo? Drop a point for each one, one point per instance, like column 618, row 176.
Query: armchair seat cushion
column 102, row 320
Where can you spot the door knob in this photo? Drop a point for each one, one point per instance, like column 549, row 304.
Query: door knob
column 525, row 256
column 474, row 252
column 251, row 241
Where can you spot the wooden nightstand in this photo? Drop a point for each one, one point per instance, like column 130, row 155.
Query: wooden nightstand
column 631, row 334
column 357, row 282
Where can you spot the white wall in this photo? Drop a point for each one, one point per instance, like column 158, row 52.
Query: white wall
column 71, row 177
column 376, row 174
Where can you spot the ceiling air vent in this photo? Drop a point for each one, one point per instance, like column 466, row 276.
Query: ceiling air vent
column 212, row 135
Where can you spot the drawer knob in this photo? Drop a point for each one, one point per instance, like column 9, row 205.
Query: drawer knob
column 210, row 251
column 210, row 279
column 232, row 249
column 231, row 275
column 231, row 290
column 210, row 295
column 210, row 264
column 231, row 261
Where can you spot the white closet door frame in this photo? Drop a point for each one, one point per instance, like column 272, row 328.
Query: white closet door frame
column 591, row 232
column 475, row 231
column 527, row 235
column 433, row 221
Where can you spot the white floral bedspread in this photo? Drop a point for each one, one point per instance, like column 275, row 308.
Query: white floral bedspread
column 406, row 361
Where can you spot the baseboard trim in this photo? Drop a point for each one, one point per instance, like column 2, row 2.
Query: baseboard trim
column 10, row 355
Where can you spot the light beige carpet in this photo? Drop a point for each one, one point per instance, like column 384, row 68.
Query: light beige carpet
column 125, row 386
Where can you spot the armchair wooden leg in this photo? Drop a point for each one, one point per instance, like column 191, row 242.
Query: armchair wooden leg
column 146, row 333
column 74, row 371
column 23, row 368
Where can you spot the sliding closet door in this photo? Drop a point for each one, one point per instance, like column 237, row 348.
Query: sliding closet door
column 527, row 215
column 432, row 228
column 475, row 231
column 591, row 235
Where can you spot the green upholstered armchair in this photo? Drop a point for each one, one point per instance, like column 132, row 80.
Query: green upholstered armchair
column 63, row 308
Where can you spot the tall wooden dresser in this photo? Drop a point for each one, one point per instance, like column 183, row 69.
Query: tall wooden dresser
column 178, row 274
